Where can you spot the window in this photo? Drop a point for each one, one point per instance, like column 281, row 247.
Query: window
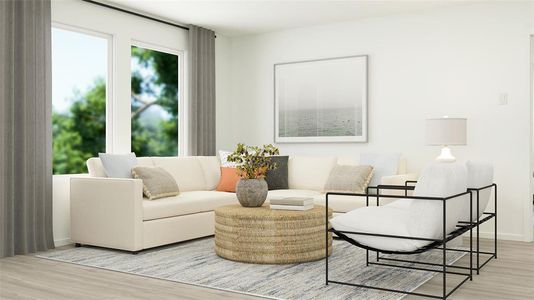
column 79, row 76
column 154, row 101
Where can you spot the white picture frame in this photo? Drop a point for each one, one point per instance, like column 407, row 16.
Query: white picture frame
column 321, row 101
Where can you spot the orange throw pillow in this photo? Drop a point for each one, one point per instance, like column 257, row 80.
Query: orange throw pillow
column 229, row 179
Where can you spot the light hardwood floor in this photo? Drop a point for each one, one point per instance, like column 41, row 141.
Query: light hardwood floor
column 28, row 277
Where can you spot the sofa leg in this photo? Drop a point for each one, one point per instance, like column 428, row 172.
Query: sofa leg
column 77, row 245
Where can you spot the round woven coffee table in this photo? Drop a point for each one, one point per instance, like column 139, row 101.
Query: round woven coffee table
column 265, row 236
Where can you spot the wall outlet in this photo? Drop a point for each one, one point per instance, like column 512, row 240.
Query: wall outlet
column 503, row 99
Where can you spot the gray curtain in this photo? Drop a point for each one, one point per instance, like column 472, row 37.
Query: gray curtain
column 25, row 127
column 201, row 113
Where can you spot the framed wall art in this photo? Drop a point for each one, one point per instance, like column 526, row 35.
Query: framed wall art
column 322, row 100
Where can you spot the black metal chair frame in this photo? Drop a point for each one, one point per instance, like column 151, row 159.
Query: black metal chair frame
column 435, row 244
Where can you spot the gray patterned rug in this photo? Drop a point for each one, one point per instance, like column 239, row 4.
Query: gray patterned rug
column 196, row 263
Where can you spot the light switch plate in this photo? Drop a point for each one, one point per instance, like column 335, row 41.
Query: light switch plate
column 503, row 99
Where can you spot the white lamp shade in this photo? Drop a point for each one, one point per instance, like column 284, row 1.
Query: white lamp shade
column 446, row 131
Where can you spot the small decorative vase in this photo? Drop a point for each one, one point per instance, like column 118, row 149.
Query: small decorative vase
column 251, row 192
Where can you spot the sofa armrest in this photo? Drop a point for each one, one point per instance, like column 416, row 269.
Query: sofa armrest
column 107, row 212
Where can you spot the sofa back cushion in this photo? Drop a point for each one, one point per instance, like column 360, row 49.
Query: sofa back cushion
column 354, row 160
column 96, row 169
column 212, row 172
column 187, row 171
column 309, row 172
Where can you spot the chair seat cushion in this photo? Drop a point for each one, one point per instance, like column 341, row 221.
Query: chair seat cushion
column 383, row 220
column 186, row 203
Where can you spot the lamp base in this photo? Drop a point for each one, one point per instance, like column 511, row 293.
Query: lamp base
column 446, row 155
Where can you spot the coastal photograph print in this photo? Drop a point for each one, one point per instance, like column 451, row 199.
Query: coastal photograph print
column 322, row 100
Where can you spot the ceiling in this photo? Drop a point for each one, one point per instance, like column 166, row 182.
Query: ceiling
column 235, row 18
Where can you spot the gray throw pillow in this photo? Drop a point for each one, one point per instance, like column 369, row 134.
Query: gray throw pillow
column 118, row 165
column 277, row 179
column 353, row 179
column 157, row 183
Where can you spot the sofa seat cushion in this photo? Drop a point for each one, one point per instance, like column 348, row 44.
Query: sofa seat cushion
column 342, row 204
column 292, row 193
column 186, row 203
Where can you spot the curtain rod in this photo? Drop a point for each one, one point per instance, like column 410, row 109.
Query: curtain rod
column 135, row 14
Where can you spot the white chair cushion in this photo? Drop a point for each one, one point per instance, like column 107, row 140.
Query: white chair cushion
column 309, row 172
column 186, row 203
column 379, row 219
column 438, row 180
column 417, row 218
column 479, row 174
column 187, row 171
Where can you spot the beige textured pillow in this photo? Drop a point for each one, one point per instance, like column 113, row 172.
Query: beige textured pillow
column 157, row 183
column 353, row 179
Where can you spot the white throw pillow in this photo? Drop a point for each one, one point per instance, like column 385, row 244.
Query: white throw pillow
column 118, row 165
column 384, row 164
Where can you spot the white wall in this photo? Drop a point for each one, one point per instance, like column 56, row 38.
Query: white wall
column 455, row 61
column 61, row 209
column 123, row 29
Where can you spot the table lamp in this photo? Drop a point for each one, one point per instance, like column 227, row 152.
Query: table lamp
column 446, row 132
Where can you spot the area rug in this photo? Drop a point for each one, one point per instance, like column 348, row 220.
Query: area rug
column 196, row 263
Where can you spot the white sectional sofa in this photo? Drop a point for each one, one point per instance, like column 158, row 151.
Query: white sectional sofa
column 111, row 212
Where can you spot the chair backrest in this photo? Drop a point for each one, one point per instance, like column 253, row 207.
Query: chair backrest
column 479, row 174
column 437, row 180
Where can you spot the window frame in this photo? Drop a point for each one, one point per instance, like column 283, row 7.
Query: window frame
column 181, row 97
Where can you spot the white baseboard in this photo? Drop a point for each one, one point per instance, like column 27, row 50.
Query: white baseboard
column 503, row 236
column 62, row 242
column 500, row 236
